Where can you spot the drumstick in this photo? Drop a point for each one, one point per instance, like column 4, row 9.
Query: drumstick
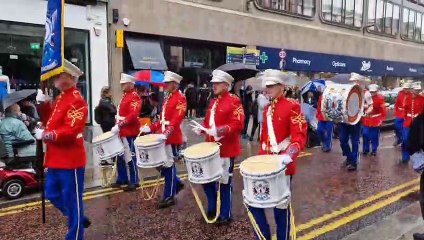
column 198, row 125
column 141, row 131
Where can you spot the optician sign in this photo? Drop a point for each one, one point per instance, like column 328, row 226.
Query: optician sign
column 293, row 60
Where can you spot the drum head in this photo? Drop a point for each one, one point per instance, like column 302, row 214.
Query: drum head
column 147, row 140
column 354, row 104
column 261, row 165
column 201, row 150
column 102, row 137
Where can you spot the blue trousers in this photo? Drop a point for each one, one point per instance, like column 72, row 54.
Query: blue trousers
column 325, row 133
column 226, row 195
column 399, row 129
column 405, row 152
column 64, row 189
column 352, row 133
column 170, row 175
column 370, row 135
column 282, row 220
column 132, row 165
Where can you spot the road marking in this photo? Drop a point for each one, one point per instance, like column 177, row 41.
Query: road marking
column 388, row 136
column 356, row 215
column 353, row 206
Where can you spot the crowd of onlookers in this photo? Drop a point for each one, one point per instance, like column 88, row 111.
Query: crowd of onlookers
column 17, row 125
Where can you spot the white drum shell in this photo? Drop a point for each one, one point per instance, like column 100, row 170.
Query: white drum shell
column 266, row 190
column 150, row 156
column 205, row 169
column 338, row 95
column 108, row 148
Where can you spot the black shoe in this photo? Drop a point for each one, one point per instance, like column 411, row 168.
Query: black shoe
column 374, row 154
column 118, row 185
column 180, row 186
column 404, row 161
column 418, row 236
column 167, row 202
column 351, row 167
column 86, row 222
column 251, row 139
column 365, row 153
column 137, row 185
column 223, row 221
column 130, row 188
column 345, row 163
column 210, row 215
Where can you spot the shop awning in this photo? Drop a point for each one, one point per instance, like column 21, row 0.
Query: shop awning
column 146, row 54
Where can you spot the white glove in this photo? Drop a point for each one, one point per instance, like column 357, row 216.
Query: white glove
column 41, row 97
column 145, row 129
column 285, row 159
column 115, row 129
column 161, row 138
column 197, row 131
column 39, row 133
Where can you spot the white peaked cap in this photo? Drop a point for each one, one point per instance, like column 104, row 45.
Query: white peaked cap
column 356, row 77
column 407, row 85
column 71, row 69
column 221, row 76
column 416, row 86
column 373, row 87
column 172, row 77
column 272, row 77
column 126, row 78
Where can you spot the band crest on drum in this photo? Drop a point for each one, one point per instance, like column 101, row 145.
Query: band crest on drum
column 197, row 170
column 100, row 151
column 144, row 156
column 334, row 108
column 261, row 190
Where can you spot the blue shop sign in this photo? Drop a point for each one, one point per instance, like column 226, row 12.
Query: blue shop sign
column 293, row 60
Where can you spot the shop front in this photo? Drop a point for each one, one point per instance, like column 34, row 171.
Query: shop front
column 85, row 45
column 388, row 72
column 21, row 45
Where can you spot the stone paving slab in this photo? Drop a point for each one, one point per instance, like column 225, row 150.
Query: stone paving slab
column 398, row 226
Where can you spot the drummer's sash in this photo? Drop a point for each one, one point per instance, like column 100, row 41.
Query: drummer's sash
column 163, row 121
column 275, row 147
column 212, row 120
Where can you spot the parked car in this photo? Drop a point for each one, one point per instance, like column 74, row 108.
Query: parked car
column 390, row 99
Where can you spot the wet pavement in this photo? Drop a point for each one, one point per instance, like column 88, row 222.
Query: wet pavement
column 320, row 187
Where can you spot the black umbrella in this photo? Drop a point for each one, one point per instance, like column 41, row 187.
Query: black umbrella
column 341, row 78
column 239, row 71
column 17, row 96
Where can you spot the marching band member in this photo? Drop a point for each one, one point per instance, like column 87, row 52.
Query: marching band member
column 372, row 122
column 398, row 123
column 412, row 107
column 128, row 128
column 284, row 131
column 224, row 121
column 324, row 129
column 65, row 157
column 174, row 109
column 353, row 132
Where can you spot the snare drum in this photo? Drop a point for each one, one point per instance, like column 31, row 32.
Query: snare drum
column 203, row 162
column 149, row 151
column 265, row 182
column 107, row 145
column 343, row 103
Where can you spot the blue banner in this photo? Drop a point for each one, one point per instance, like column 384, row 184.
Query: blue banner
column 53, row 52
column 293, row 60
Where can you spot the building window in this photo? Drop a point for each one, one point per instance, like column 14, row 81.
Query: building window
column 412, row 24
column 345, row 12
column 296, row 7
column 383, row 17
column 21, row 50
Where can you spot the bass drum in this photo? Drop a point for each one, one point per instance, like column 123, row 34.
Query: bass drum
column 343, row 103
